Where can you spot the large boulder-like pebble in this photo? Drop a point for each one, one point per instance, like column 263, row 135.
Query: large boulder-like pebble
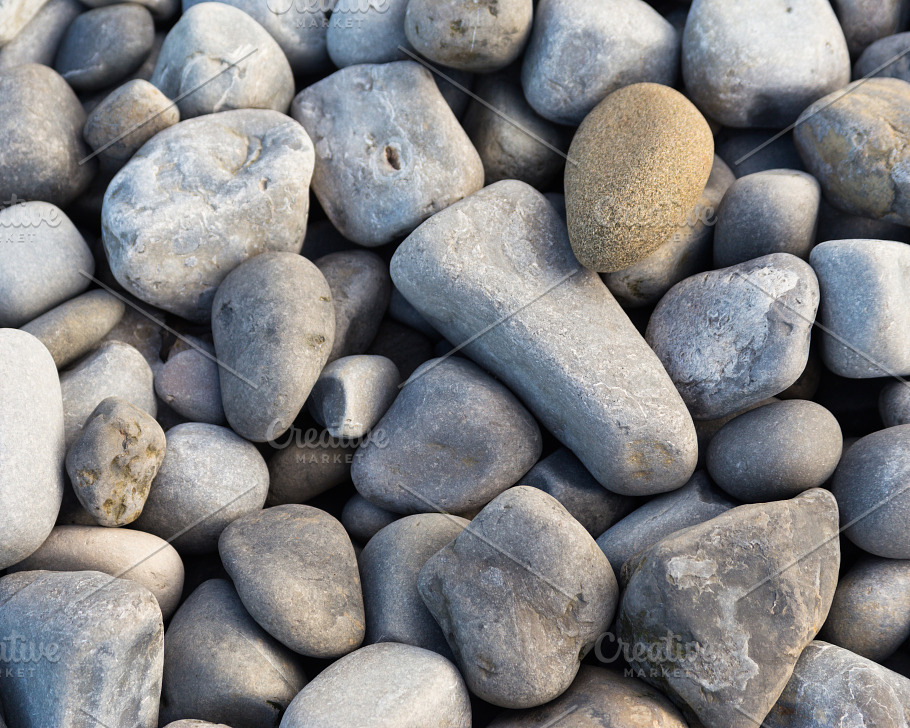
column 732, row 337
column 200, row 198
column 190, row 383
column 389, row 151
column 453, row 440
column 366, row 32
column 306, row 466
column 494, row 255
column 209, row 478
column 384, row 686
column 38, row 40
column 523, row 560
column 758, row 64
column 718, row 614
column 866, row 21
column 894, row 404
column 219, row 665
column 98, row 645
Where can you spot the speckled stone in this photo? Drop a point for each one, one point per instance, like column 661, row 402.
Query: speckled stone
column 190, row 383
column 866, row 21
column 894, row 404
column 306, row 466
column 362, row 520
column 38, row 40
column 367, row 32
column 886, row 57
column 642, row 159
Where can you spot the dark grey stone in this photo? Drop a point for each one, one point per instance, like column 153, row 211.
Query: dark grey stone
column 405, row 346
column 866, row 21
column 362, row 520
column 307, row 465
column 748, row 151
column 886, row 57
column 834, row 224
column 190, row 383
column 38, row 40
column 894, row 404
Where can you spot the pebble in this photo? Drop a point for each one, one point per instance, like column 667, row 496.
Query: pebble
column 74, row 328
column 696, row 609
column 776, row 451
column 581, row 52
column 15, row 15
column 161, row 9
column 31, row 446
column 367, row 32
column 506, row 246
column 169, row 242
column 453, row 440
column 865, row 293
column 759, row 64
column 767, row 212
column 405, row 346
column 114, row 460
column 118, row 552
column 219, row 665
column 140, row 327
column 307, row 466
column 97, row 644
column 886, row 57
column 732, row 337
column 638, row 164
column 384, row 686
column 866, row 21
column 523, row 560
column 39, row 39
column 869, row 485
column 748, row 151
column 894, row 404
column 362, row 520
column 408, row 159
column 209, row 478
column 190, row 383
column 295, row 571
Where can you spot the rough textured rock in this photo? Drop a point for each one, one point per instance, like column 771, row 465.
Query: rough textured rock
column 894, row 404
column 730, row 338
column 367, row 32
column 866, row 21
column 523, row 560
column 408, row 159
column 638, row 164
column 305, row 467
column 172, row 230
column 38, row 40
column 101, row 641
column 362, row 520
column 486, row 258
column 190, row 383
column 759, row 64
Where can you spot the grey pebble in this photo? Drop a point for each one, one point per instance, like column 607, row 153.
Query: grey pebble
column 307, row 463
column 362, row 520
column 161, row 9
column 894, row 404
column 367, row 32
column 15, row 15
column 38, row 40
column 405, row 346
column 190, row 383
column 866, row 21
column 886, row 57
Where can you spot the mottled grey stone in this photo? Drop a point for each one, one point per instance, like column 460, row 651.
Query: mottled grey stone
column 894, row 404
column 190, row 383
column 209, row 478
column 866, row 21
column 200, row 198
column 405, row 346
column 865, row 305
column 295, row 571
column 453, row 440
column 362, row 520
column 580, row 52
column 307, row 464
column 219, row 665
column 31, row 445
column 752, row 63
column 15, row 15
column 367, row 31
column 407, row 159
column 118, row 552
column 493, row 255
column 41, row 143
column 886, row 57
column 38, row 40
column 273, row 323
column 775, row 452
column 98, row 642
column 384, row 686
column 732, row 337
column 717, row 614
column 522, row 561
column 161, row 9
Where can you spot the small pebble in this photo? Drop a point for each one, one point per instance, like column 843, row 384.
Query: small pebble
column 368, row 32
column 307, row 466
column 362, row 520
column 406, row 347
column 190, row 383
column 894, row 404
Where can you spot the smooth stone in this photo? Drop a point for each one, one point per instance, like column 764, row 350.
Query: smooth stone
column 707, row 429
column 74, row 328
column 384, row 686
column 172, row 230
column 125, row 120
column 209, row 37
column 696, row 502
column 41, row 143
column 865, row 294
column 580, row 52
column 866, row 21
column 161, row 9
column 642, row 159
column 717, row 615
column 115, row 459
column 39, row 39
column 304, row 467
column 209, row 478
column 119, row 552
column 15, row 15
column 390, row 565
column 732, row 337
column 748, row 151
column 367, row 32
column 190, row 383
column 759, row 64
column 865, row 179
column 775, row 452
column 31, row 445
column 506, row 246
column 405, row 346
column 870, row 484
column 767, row 212
column 273, row 323
column 361, row 286
column 886, row 57
column 894, row 404
column 219, row 665
column 403, row 312
column 100, row 650
column 685, row 253
column 295, row 571
column 563, row 476
column 362, row 520
column 452, row 440
column 104, row 45
column 408, row 159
